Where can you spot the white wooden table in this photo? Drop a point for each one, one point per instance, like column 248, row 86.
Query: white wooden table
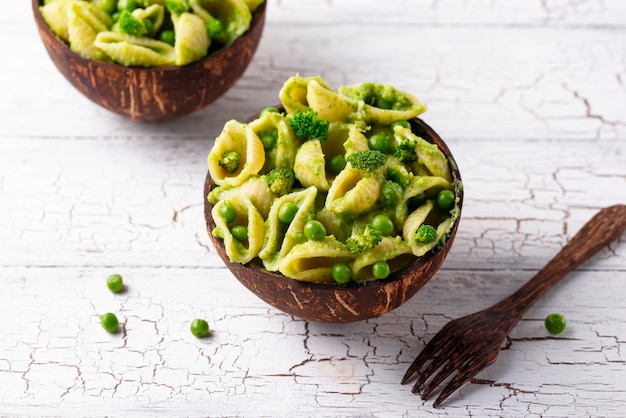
column 529, row 95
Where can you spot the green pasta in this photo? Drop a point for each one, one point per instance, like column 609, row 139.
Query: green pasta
column 398, row 183
column 148, row 33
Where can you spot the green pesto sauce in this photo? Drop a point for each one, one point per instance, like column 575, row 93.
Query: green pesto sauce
column 378, row 95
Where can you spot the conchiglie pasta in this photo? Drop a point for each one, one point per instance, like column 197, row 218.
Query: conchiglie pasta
column 254, row 188
column 192, row 38
column 84, row 22
column 155, row 13
column 429, row 185
column 329, row 105
column 312, row 261
column 248, row 216
column 240, row 138
column 293, row 94
column 310, row 165
column 392, row 250
column 55, row 15
column 280, row 237
column 279, row 142
column 352, row 192
column 383, row 104
column 131, row 50
column 428, row 155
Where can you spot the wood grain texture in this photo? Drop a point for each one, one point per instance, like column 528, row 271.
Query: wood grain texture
column 528, row 96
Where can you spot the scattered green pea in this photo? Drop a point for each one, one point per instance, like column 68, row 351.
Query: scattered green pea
column 383, row 224
column 341, row 273
column 445, row 200
column 287, row 212
column 403, row 123
column 239, row 232
column 381, row 270
column 199, row 328
column 378, row 142
column 227, row 212
column 555, row 323
column 109, row 322
column 115, row 283
column 314, row 230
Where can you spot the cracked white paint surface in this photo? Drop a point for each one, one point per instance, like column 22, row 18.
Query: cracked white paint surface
column 531, row 98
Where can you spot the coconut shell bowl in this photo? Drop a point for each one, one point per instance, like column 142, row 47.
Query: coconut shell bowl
column 333, row 303
column 154, row 93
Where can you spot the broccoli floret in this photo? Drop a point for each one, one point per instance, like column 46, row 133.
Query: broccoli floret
column 215, row 28
column 230, row 161
column 280, row 180
column 367, row 160
column 425, row 234
column 405, row 151
column 177, row 6
column 307, row 125
column 369, row 238
column 131, row 25
column 399, row 174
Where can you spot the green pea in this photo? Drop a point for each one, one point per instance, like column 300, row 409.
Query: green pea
column 108, row 6
column 239, row 232
column 383, row 224
column 314, row 230
column 392, row 192
column 199, row 328
column 445, row 200
column 268, row 110
column 379, row 142
column 336, row 163
column 381, row 270
column 341, row 273
column 168, row 36
column 227, row 212
column 129, row 5
column 109, row 322
column 115, row 283
column 555, row 323
column 403, row 123
column 287, row 212
column 115, row 17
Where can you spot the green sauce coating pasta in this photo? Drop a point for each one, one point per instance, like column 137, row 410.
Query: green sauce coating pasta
column 137, row 39
column 390, row 190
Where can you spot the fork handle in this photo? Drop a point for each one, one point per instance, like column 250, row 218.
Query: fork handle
column 606, row 226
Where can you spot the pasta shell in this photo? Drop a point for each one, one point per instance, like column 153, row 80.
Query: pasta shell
column 283, row 153
column 428, row 155
column 312, row 261
column 329, row 105
column 55, row 15
column 415, row 220
column 132, row 50
column 234, row 13
column 84, row 22
column 280, row 237
column 254, row 188
column 393, row 250
column 310, row 165
column 352, row 192
column 192, row 38
column 293, row 93
column 247, row 215
column 155, row 13
column 238, row 137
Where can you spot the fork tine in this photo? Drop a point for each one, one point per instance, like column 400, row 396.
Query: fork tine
column 445, row 371
column 463, row 376
column 432, row 367
column 426, row 354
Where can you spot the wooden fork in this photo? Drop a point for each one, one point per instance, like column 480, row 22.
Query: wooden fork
column 469, row 344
